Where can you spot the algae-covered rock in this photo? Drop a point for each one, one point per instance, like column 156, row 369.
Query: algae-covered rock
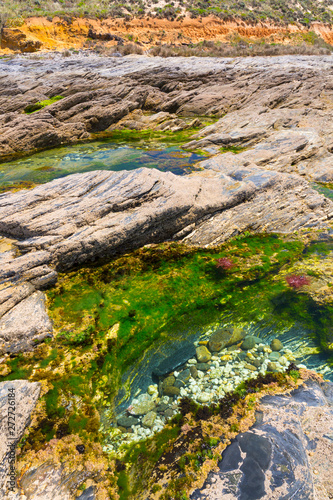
column 202, row 353
column 276, row 345
column 142, row 405
column 172, row 391
column 168, row 382
column 225, row 337
column 149, row 419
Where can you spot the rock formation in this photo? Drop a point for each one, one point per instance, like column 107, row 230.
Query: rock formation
column 288, row 453
column 25, row 396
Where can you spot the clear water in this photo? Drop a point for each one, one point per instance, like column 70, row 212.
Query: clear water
column 98, row 155
column 325, row 190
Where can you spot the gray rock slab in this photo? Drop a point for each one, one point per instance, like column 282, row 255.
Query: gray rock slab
column 174, row 361
column 26, row 397
column 25, row 321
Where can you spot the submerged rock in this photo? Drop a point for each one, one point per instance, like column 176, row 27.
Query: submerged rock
column 142, row 405
column 225, row 337
column 149, row 419
column 276, row 345
column 127, row 421
column 248, row 343
column 174, row 361
column 202, row 353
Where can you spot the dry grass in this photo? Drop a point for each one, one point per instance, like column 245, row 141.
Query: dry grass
column 241, row 49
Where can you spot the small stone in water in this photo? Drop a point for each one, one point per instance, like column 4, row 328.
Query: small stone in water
column 249, row 342
column 168, row 382
column 274, row 356
column 256, row 363
column 149, row 419
column 152, row 390
column 192, row 361
column 185, row 375
column 194, row 371
column 272, row 367
column 172, row 391
column 250, row 367
column 203, row 367
column 276, row 345
column 162, row 407
column 204, row 397
column 203, row 355
column 126, row 421
column 283, row 361
column 142, row 405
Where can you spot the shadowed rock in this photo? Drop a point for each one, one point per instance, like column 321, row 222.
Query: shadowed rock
column 287, row 454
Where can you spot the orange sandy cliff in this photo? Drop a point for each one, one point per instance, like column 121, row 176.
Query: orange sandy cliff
column 39, row 33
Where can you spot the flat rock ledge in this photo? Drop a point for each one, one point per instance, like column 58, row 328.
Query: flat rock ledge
column 25, row 398
column 96, row 215
column 287, row 454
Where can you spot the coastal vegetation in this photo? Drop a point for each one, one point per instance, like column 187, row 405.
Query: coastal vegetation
column 277, row 11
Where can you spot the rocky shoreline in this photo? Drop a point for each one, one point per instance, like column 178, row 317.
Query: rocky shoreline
column 272, row 138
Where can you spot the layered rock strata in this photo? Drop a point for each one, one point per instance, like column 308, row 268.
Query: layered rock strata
column 285, row 102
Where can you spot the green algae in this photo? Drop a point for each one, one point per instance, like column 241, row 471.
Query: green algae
column 148, row 137
column 107, row 316
column 190, row 439
column 32, row 108
column 232, row 149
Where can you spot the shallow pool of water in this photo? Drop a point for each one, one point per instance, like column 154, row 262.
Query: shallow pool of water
column 325, row 190
column 98, row 155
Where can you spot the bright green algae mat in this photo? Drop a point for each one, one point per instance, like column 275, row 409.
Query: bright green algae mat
column 32, row 108
column 106, row 317
column 156, row 293
column 325, row 189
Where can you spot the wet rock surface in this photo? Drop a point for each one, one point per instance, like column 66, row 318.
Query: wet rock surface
column 85, row 217
column 286, row 454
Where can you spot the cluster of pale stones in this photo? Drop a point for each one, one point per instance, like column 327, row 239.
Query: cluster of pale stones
column 210, row 376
